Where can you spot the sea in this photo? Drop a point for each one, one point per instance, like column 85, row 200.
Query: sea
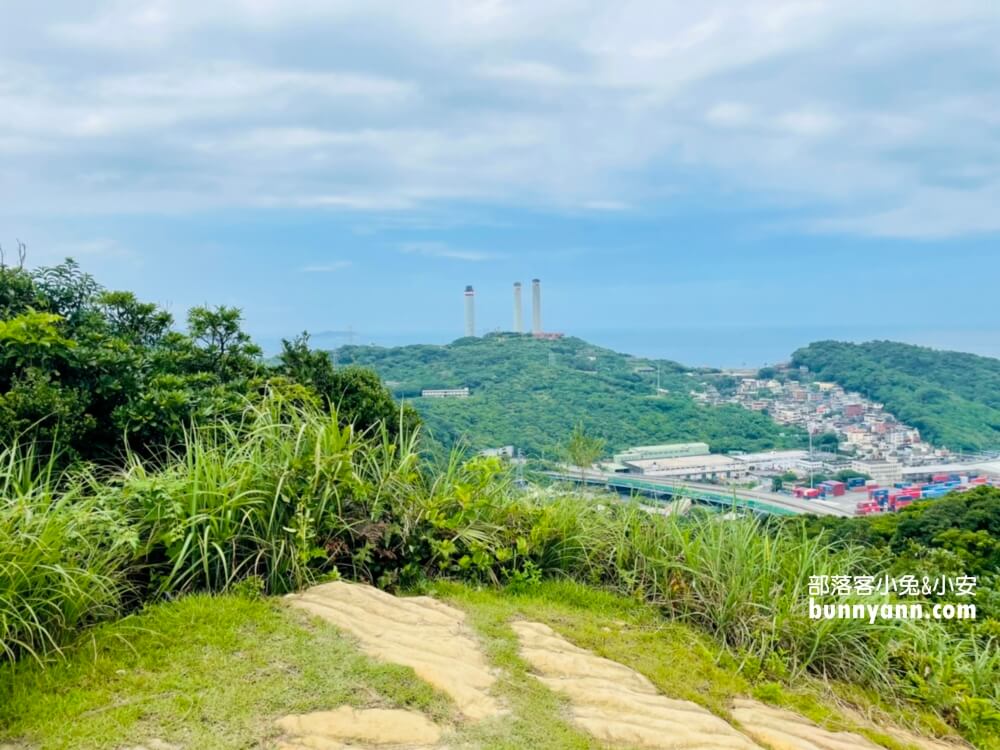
column 716, row 346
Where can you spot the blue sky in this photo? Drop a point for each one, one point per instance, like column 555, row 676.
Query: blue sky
column 823, row 166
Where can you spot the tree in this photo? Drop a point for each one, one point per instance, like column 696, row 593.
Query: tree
column 132, row 320
column 827, row 441
column 582, row 449
column 357, row 393
column 228, row 349
column 308, row 366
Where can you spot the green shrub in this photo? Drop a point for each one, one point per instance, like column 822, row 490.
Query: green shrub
column 252, row 498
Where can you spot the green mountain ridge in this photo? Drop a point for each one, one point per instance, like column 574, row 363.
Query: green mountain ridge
column 953, row 398
column 530, row 392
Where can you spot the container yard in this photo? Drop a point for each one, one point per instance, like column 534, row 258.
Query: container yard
column 878, row 499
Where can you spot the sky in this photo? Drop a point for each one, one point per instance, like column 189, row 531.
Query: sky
column 819, row 168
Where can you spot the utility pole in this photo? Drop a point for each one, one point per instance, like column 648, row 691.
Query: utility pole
column 811, row 459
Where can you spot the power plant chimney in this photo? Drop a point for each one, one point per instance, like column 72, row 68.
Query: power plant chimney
column 536, row 306
column 470, row 311
column 518, row 322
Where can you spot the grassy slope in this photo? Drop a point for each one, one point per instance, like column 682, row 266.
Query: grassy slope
column 951, row 397
column 204, row 672
column 530, row 393
column 215, row 672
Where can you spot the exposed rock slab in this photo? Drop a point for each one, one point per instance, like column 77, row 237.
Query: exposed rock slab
column 618, row 705
column 786, row 730
column 348, row 727
column 417, row 632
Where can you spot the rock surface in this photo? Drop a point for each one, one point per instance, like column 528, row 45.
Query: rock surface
column 786, row 730
column 618, row 705
column 348, row 727
column 418, row 632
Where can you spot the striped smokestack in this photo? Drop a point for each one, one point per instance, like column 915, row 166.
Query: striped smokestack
column 536, row 306
column 518, row 321
column 470, row 311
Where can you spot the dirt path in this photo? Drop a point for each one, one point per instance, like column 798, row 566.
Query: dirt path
column 418, row 632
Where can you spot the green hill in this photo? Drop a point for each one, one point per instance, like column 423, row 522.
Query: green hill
column 529, row 393
column 951, row 397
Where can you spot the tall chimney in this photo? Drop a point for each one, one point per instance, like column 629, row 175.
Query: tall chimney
column 470, row 311
column 536, row 306
column 518, row 321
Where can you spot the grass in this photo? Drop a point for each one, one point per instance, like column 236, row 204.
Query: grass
column 288, row 495
column 63, row 553
column 680, row 660
column 202, row 672
column 216, row 671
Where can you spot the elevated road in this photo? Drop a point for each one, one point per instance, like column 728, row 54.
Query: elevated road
column 764, row 502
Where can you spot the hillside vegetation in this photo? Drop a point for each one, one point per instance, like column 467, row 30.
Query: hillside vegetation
column 140, row 465
column 951, row 397
column 530, row 393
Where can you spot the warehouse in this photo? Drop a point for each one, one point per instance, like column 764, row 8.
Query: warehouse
column 770, row 462
column 656, row 452
column 699, row 468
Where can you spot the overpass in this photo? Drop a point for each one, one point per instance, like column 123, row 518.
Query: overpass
column 772, row 503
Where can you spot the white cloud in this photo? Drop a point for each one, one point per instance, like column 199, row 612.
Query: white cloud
column 729, row 114
column 807, row 123
column 527, row 72
column 441, row 250
column 857, row 111
column 331, row 267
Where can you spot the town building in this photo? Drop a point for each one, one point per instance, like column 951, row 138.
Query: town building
column 884, row 473
column 445, row 392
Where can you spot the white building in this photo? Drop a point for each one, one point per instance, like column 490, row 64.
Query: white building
column 883, row 472
column 445, row 392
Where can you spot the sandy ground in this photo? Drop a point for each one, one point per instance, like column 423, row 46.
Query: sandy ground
column 418, row 632
column 618, row 705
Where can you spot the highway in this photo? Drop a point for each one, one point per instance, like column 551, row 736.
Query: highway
column 764, row 502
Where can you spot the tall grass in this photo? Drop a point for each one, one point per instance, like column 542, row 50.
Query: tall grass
column 287, row 494
column 252, row 498
column 63, row 554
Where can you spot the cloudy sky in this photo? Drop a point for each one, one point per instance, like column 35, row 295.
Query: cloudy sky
column 331, row 163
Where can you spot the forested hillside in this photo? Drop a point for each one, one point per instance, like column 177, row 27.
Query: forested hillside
column 529, row 393
column 951, row 397
column 95, row 373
